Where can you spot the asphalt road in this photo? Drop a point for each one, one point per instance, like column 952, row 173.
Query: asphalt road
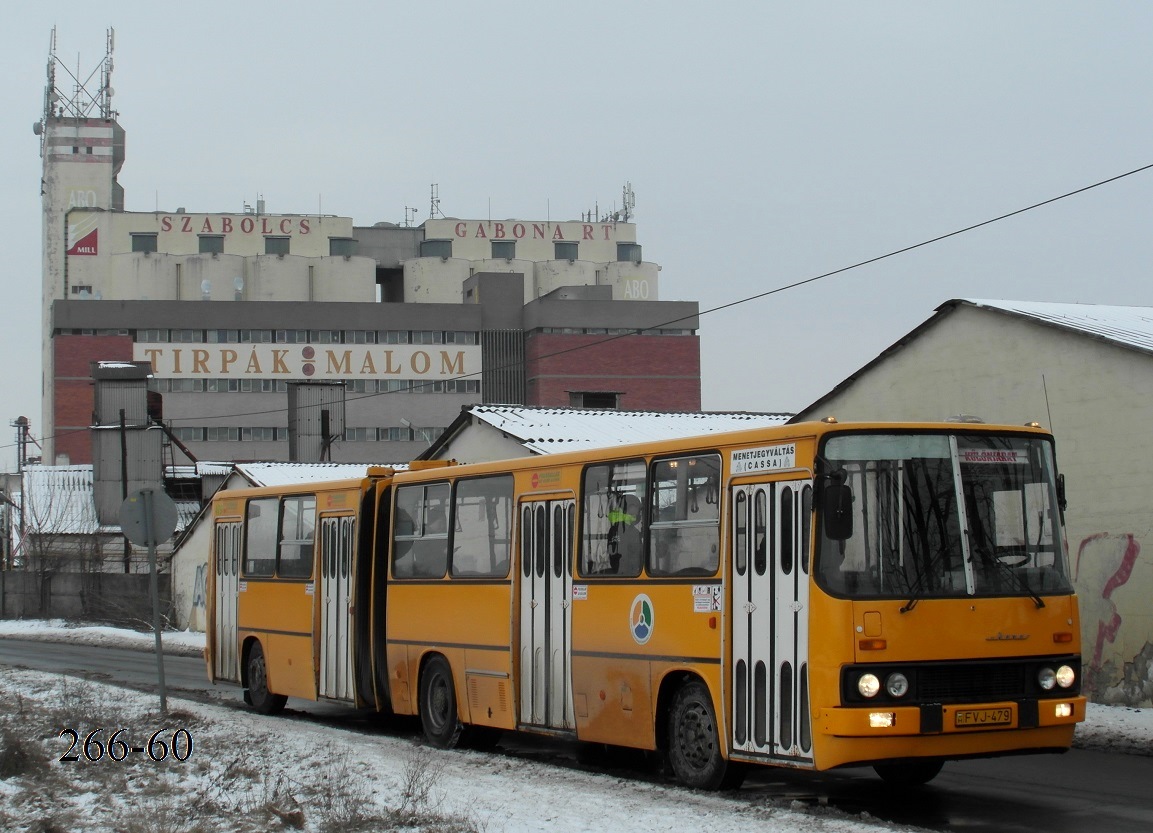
column 1072, row 793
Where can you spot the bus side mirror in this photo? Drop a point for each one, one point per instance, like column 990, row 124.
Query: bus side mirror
column 838, row 511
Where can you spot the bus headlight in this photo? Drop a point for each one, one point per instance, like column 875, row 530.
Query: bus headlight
column 868, row 685
column 1066, row 676
column 897, row 684
column 1047, row 678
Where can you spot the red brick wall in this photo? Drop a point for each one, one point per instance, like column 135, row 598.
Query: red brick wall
column 72, row 388
column 652, row 373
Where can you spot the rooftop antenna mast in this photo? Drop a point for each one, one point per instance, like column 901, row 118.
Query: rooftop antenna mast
column 628, row 202
column 434, row 209
column 89, row 98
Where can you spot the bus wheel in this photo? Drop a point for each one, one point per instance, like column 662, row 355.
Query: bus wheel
column 694, row 747
column 258, row 695
column 909, row 773
column 438, row 715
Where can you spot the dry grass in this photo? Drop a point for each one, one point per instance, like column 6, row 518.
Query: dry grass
column 239, row 790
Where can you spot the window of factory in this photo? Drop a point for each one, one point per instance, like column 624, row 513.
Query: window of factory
column 341, row 246
column 505, row 249
column 211, row 244
column 143, row 242
column 436, row 248
column 629, row 252
column 564, row 250
column 276, row 245
column 607, row 400
column 459, row 337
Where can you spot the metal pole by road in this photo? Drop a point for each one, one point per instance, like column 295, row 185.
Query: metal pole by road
column 148, row 517
column 154, row 591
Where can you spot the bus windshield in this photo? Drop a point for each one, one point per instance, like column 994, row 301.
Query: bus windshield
column 936, row 516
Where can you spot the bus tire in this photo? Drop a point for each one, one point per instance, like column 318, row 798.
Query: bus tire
column 694, row 748
column 438, row 715
column 909, row 773
column 257, row 693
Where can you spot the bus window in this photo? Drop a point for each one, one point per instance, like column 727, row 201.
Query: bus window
column 483, row 513
column 297, row 531
column 260, row 537
column 420, row 541
column 685, row 526
column 741, row 544
column 613, row 523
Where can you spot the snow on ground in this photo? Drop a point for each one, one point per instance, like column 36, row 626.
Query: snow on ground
column 1116, row 728
column 497, row 794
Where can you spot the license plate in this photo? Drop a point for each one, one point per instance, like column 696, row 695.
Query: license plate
column 983, row 717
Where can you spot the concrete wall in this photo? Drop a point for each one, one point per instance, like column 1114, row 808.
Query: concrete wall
column 190, row 577
column 94, row 597
column 1100, row 398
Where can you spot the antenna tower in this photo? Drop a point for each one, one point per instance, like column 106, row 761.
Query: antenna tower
column 89, row 98
column 434, row 209
column 628, row 202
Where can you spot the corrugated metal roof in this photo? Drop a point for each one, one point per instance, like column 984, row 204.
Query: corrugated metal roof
column 551, row 430
column 284, row 474
column 58, row 500
column 1126, row 326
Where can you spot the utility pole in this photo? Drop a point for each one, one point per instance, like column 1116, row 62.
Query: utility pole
column 21, row 425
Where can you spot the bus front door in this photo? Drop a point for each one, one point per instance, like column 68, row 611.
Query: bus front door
column 546, row 536
column 770, row 678
column 227, row 579
column 337, row 539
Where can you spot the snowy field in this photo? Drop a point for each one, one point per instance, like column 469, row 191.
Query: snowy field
column 245, row 772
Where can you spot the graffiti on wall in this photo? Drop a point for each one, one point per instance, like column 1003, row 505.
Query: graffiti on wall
column 1104, row 563
column 197, row 615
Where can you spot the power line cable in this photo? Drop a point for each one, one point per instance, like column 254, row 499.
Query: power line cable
column 728, row 305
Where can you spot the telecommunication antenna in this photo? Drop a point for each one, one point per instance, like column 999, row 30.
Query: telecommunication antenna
column 89, row 98
column 410, row 215
column 628, row 202
column 434, row 208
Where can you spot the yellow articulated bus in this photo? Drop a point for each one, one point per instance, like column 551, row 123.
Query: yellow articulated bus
column 815, row 595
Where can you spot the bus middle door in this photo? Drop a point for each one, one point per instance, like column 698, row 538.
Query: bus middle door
column 337, row 540
column 546, row 536
column 769, row 619
column 226, row 562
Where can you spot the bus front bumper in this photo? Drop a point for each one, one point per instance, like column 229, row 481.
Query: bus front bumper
column 885, row 720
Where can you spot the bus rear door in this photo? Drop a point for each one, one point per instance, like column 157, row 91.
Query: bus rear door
column 337, row 540
column 546, row 540
column 227, row 567
column 769, row 619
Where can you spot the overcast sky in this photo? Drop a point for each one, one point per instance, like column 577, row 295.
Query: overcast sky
column 766, row 142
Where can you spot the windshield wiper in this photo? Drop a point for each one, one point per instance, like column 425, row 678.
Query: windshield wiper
column 915, row 594
column 1015, row 576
